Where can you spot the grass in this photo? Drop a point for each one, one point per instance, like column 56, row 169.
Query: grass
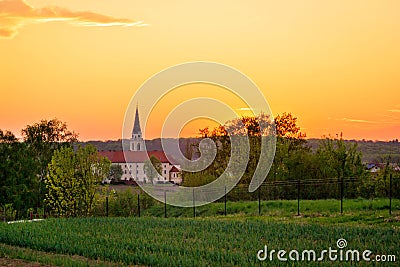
column 31, row 255
column 356, row 211
column 211, row 239
column 189, row 242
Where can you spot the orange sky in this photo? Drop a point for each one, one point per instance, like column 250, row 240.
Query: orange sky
column 333, row 64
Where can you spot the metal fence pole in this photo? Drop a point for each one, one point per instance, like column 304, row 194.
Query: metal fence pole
column 298, row 196
column 225, row 200
column 341, row 194
column 165, row 204
column 390, row 194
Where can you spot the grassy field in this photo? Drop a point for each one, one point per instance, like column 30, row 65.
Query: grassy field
column 354, row 210
column 209, row 239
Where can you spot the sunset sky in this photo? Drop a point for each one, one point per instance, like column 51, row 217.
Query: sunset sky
column 333, row 64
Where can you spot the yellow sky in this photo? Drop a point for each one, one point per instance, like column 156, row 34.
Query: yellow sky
column 333, row 64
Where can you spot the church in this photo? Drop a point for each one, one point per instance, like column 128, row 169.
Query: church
column 132, row 162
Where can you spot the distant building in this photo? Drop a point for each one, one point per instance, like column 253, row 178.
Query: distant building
column 132, row 162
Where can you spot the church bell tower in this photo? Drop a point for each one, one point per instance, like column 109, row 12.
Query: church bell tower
column 137, row 142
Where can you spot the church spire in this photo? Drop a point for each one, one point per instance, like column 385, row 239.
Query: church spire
column 136, row 125
column 137, row 142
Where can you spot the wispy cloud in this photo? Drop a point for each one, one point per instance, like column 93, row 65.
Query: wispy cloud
column 357, row 120
column 394, row 110
column 14, row 14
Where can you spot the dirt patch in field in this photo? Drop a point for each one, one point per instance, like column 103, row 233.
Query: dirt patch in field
column 15, row 262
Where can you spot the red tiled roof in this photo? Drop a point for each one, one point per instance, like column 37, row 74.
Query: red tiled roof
column 133, row 156
column 174, row 169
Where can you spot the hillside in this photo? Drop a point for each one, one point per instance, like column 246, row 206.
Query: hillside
column 372, row 151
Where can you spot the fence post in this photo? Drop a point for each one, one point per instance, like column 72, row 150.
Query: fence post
column 194, row 206
column 225, row 200
column 341, row 194
column 390, row 194
column 138, row 204
column 298, row 196
column 165, row 204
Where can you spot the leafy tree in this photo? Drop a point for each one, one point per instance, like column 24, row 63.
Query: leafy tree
column 73, row 180
column 7, row 137
column 286, row 126
column 152, row 168
column 43, row 139
column 245, row 126
column 291, row 149
column 115, row 173
column 340, row 159
column 48, row 133
column 17, row 176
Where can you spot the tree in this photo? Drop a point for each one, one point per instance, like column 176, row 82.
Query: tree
column 152, row 168
column 48, row 132
column 73, row 180
column 245, row 126
column 339, row 158
column 43, row 139
column 17, row 175
column 115, row 173
column 286, row 126
column 7, row 137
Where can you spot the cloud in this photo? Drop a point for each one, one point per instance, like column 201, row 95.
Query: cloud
column 394, row 110
column 14, row 14
column 357, row 120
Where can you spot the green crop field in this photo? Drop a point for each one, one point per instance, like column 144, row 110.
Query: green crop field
column 232, row 240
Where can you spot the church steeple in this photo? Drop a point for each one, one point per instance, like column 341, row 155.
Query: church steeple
column 137, row 142
column 136, row 125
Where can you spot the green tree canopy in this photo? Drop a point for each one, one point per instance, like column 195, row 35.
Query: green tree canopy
column 152, row 168
column 7, row 137
column 73, row 180
column 115, row 173
column 340, row 159
column 44, row 138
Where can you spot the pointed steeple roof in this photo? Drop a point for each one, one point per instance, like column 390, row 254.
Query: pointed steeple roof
column 136, row 125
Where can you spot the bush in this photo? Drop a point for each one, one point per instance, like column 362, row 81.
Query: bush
column 124, row 204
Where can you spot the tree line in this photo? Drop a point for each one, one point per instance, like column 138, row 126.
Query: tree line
column 334, row 158
column 44, row 172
